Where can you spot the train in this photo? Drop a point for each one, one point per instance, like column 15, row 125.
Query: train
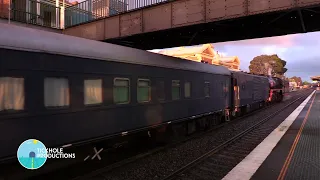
column 68, row 91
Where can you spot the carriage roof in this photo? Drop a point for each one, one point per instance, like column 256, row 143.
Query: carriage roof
column 27, row 39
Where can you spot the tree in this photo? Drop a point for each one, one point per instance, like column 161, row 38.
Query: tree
column 305, row 83
column 268, row 65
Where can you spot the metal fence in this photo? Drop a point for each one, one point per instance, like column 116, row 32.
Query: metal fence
column 32, row 12
column 85, row 11
column 90, row 10
column 45, row 13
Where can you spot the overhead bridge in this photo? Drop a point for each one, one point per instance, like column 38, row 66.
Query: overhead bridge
column 188, row 22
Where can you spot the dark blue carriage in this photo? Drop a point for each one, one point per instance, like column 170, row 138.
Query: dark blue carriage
column 250, row 91
column 66, row 90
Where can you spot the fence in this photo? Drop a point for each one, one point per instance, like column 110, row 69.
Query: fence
column 32, row 12
column 45, row 13
column 90, row 10
column 85, row 11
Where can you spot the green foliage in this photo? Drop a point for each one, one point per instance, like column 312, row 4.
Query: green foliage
column 305, row 83
column 284, row 70
column 261, row 64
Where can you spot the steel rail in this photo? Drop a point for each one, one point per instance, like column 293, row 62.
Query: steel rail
column 173, row 144
column 176, row 173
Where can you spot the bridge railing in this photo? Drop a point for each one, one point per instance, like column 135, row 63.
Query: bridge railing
column 90, row 10
column 32, row 12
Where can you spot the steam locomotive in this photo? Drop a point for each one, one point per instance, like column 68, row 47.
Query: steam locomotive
column 277, row 89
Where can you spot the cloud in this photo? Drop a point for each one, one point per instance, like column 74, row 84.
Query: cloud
column 269, row 50
column 301, row 51
column 283, row 41
column 305, row 68
column 223, row 54
column 303, row 60
column 308, row 39
column 155, row 50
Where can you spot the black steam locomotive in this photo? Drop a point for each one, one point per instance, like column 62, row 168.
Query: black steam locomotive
column 277, row 88
column 64, row 90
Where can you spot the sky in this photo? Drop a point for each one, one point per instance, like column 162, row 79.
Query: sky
column 301, row 51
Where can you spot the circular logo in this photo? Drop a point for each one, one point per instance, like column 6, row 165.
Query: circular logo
column 32, row 154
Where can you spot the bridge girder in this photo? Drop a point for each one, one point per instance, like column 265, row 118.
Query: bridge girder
column 133, row 29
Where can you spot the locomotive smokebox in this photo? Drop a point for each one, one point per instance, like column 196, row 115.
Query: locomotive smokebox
column 275, row 83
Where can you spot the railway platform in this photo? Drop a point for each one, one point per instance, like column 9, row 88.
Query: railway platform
column 291, row 151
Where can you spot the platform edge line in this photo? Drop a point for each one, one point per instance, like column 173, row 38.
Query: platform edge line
column 250, row 164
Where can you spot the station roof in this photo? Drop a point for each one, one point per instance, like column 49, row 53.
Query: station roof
column 189, row 50
column 315, row 78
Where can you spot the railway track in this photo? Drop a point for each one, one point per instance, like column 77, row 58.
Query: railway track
column 216, row 163
column 105, row 167
column 101, row 171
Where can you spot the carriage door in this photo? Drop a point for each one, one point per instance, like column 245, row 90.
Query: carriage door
column 236, row 93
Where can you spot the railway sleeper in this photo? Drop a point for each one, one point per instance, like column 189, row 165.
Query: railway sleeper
column 212, row 163
column 222, row 157
column 209, row 169
column 252, row 138
column 234, row 154
column 201, row 173
column 238, row 150
column 214, row 172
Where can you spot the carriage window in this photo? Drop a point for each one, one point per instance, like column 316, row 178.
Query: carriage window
column 207, row 89
column 175, row 91
column 11, row 93
column 227, row 86
column 187, row 89
column 121, row 90
column 92, row 91
column 56, row 92
column 144, row 90
column 161, row 90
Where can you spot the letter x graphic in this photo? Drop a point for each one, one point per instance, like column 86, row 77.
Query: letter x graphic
column 96, row 153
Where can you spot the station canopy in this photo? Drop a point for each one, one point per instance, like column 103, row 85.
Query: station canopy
column 315, row 78
column 204, row 53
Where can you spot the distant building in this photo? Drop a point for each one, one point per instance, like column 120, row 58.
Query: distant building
column 293, row 84
column 315, row 78
column 204, row 54
column 232, row 62
column 297, row 80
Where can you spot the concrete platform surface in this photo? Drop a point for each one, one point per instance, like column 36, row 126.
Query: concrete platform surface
column 291, row 151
